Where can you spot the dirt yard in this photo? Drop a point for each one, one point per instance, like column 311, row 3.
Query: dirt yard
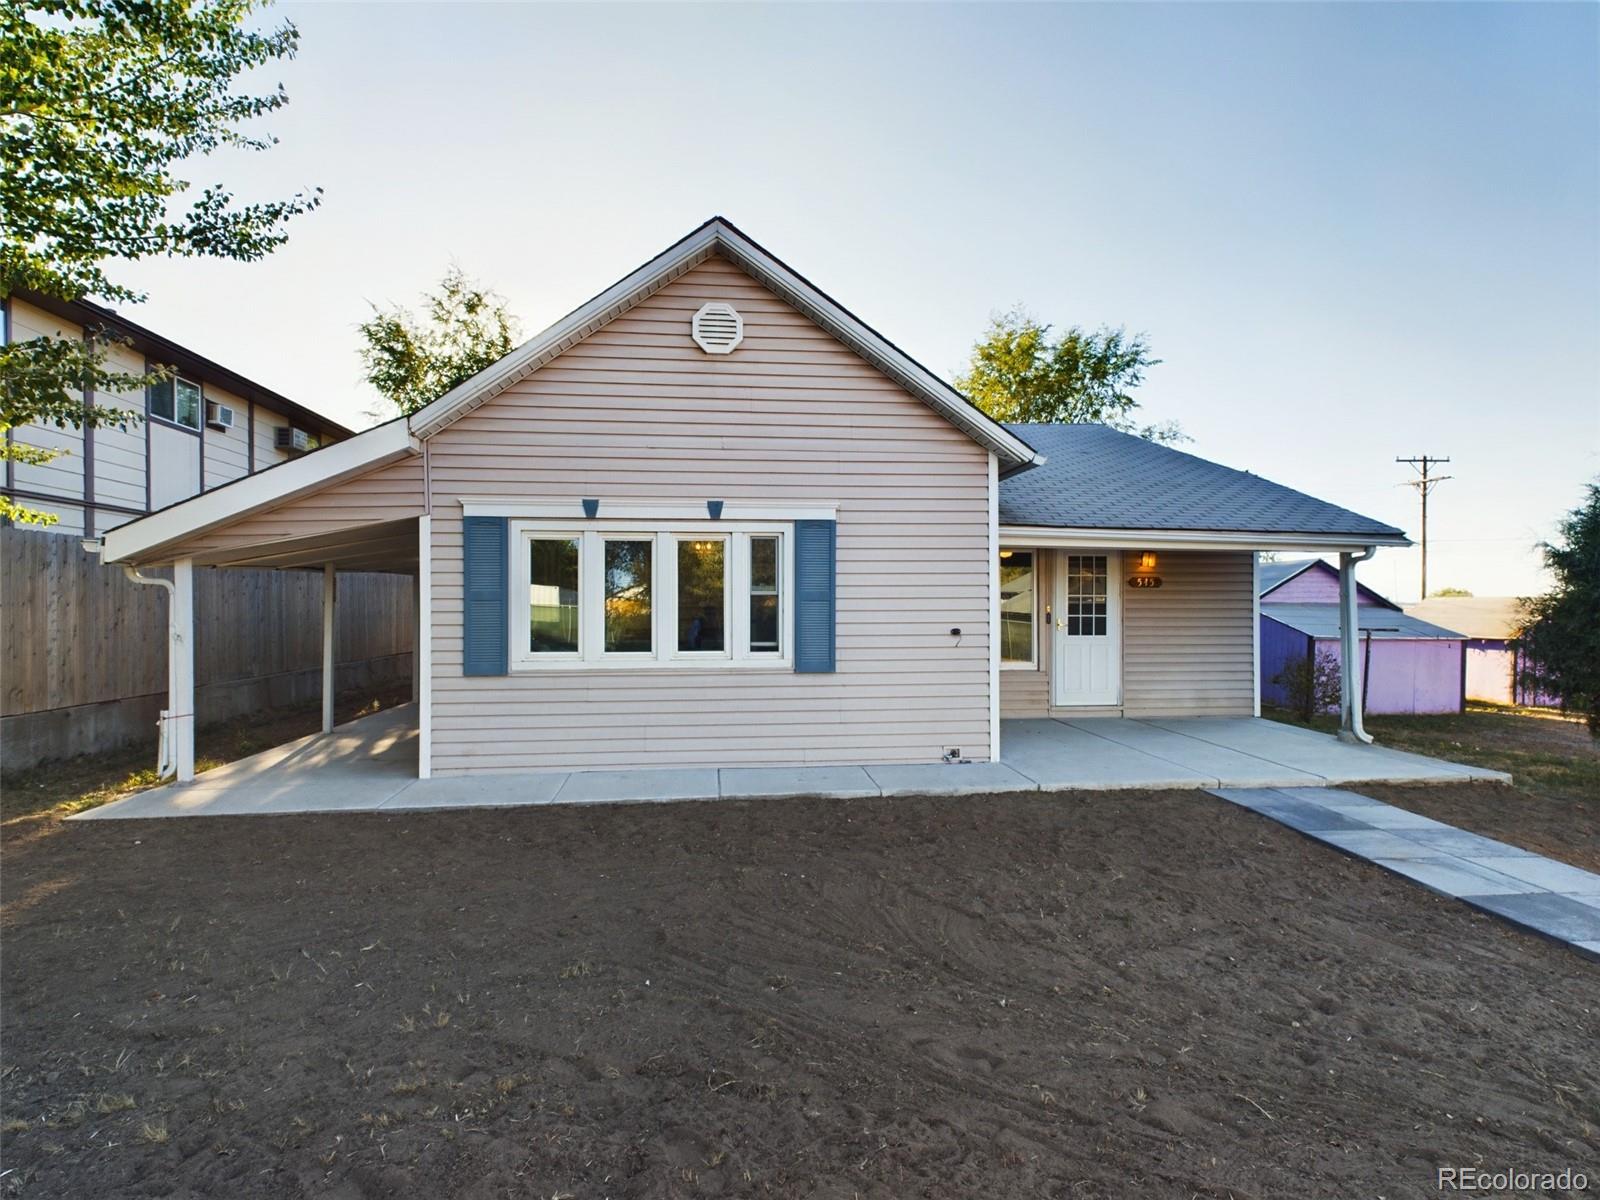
column 1074, row 996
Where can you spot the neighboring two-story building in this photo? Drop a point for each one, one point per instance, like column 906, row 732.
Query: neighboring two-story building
column 205, row 427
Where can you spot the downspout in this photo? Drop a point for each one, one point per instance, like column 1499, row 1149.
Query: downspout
column 1352, row 678
column 165, row 760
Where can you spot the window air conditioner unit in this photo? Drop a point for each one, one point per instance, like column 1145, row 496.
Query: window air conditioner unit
column 218, row 416
column 295, row 441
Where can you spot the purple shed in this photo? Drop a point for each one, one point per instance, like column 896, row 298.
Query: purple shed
column 1408, row 665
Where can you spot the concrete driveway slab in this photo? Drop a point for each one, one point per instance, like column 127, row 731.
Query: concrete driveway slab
column 1229, row 766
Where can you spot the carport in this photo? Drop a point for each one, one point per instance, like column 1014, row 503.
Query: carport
column 286, row 518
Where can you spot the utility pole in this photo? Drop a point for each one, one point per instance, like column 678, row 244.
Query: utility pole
column 1424, row 484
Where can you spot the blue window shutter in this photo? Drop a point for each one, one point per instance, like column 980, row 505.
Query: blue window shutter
column 815, row 566
column 486, row 566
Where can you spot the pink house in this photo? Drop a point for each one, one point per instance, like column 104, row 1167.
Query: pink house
column 1409, row 665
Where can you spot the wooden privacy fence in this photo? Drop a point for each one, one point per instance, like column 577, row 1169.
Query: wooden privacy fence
column 84, row 656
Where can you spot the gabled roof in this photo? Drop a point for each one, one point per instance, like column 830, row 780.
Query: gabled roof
column 1322, row 621
column 1097, row 477
column 719, row 236
column 1273, row 575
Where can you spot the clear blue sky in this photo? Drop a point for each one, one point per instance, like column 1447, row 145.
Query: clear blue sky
column 1351, row 231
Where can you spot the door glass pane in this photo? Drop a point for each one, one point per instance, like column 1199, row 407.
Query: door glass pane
column 1087, row 581
column 1016, row 606
column 553, row 596
column 627, row 596
column 702, row 569
column 764, row 608
column 188, row 406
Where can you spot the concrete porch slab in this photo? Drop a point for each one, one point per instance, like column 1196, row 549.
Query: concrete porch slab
column 371, row 764
column 1060, row 757
column 1224, row 763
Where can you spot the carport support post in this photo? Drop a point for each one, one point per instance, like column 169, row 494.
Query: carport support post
column 329, row 598
column 180, row 716
column 1350, row 728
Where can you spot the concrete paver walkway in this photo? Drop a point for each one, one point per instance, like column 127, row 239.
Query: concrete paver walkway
column 370, row 764
column 1552, row 898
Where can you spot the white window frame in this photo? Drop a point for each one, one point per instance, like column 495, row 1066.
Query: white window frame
column 672, row 541
column 172, row 422
column 1018, row 664
column 665, row 535
column 523, row 564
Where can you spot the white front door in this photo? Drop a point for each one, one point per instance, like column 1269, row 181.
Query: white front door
column 1087, row 669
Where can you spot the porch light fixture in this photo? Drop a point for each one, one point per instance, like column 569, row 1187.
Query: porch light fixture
column 1007, row 553
column 1147, row 561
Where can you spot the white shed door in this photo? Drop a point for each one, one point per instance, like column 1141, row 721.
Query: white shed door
column 1088, row 637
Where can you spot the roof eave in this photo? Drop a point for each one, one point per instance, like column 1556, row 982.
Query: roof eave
column 1192, row 539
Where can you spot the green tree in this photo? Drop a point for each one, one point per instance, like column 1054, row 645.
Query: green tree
column 100, row 103
column 1449, row 592
column 413, row 360
column 1561, row 635
column 1019, row 372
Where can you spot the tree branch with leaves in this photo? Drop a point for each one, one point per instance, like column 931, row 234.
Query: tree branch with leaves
column 100, row 103
column 1019, row 372
column 412, row 360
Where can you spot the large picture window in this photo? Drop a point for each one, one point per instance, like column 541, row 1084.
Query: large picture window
column 624, row 596
column 1017, row 596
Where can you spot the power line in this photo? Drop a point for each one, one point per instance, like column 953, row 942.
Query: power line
column 1425, row 483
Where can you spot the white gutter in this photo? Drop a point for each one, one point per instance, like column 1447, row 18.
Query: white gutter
column 1067, row 538
column 1350, row 726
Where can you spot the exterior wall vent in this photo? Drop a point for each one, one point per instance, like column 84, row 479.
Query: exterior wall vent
column 717, row 328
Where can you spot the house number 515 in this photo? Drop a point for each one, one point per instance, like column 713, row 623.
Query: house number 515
column 1145, row 581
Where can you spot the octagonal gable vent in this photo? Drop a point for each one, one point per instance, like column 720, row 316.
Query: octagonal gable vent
column 717, row 328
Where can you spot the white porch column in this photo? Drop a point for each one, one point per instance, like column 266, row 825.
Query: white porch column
column 1350, row 728
column 416, row 636
column 329, row 599
column 180, row 721
column 425, row 647
column 994, row 608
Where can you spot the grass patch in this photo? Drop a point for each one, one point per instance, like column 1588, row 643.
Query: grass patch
column 60, row 789
column 1545, row 753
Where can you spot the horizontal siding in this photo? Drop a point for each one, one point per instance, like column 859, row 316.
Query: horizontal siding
column 1188, row 647
column 227, row 451
column 637, row 410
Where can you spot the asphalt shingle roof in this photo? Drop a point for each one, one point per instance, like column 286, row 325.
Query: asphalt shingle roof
column 1099, row 478
column 1322, row 621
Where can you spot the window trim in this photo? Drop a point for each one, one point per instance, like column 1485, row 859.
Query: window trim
column 591, row 535
column 1018, row 664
